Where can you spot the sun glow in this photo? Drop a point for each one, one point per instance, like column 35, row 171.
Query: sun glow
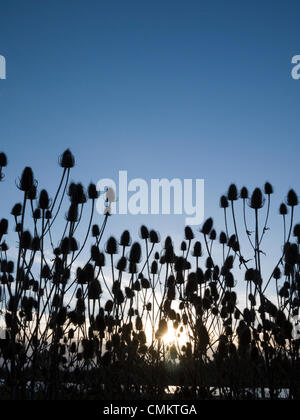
column 172, row 336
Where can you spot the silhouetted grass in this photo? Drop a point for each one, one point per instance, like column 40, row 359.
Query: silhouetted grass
column 95, row 329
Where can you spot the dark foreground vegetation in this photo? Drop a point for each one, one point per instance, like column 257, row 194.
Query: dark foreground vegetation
column 85, row 319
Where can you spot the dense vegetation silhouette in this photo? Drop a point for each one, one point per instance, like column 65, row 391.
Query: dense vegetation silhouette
column 83, row 319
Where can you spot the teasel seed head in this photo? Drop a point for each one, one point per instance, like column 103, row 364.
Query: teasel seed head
column 232, row 193
column 144, row 232
column 207, row 226
column 154, row 237
column 268, row 188
column 283, row 209
column 257, row 199
column 16, row 210
column 27, row 180
column 44, row 202
column 224, row 202
column 223, row 238
column 125, row 239
column 244, row 193
column 197, row 252
column 135, row 253
column 189, row 235
column 95, row 231
column 92, row 192
column 292, row 198
column 67, row 159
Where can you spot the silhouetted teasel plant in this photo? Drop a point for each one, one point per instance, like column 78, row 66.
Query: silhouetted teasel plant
column 78, row 326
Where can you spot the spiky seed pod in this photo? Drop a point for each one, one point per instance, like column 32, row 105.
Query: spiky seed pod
column 212, row 235
column 109, row 306
column 95, row 231
column 189, row 235
column 249, row 274
column 168, row 242
column 268, row 188
column 296, row 231
column 72, row 215
column 156, row 256
column 145, row 283
column 223, row 238
column 81, row 197
column 65, row 246
column 92, row 192
column 197, row 252
column 111, row 246
column 46, row 272
column 207, row 226
column 125, row 239
column 27, row 180
column 135, row 253
column 292, row 199
column 16, row 210
column 236, row 246
column 183, row 246
column 231, row 241
column 224, row 202
column 154, row 267
column 209, row 262
column 67, row 159
column 100, row 262
column 283, row 209
column 94, row 290
column 244, row 193
column 25, row 240
column 94, row 252
column 257, row 200
column 48, row 215
column 37, row 214
column 153, row 237
column 144, row 232
column 232, row 193
column 169, row 255
column 3, row 160
column 277, row 273
column 44, row 202
column 121, row 265
column 136, row 286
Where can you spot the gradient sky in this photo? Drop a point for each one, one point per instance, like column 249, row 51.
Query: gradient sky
column 186, row 89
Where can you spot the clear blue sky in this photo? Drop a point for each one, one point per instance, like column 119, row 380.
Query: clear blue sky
column 187, row 89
